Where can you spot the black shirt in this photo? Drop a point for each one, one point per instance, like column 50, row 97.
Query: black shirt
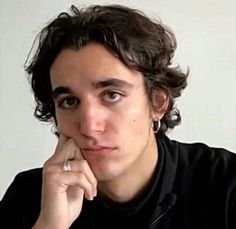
column 193, row 187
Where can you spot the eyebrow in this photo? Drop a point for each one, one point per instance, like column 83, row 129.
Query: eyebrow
column 100, row 84
column 60, row 90
column 112, row 83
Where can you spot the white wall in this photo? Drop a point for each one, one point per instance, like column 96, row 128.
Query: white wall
column 206, row 33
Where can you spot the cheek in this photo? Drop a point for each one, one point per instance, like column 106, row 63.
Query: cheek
column 137, row 123
column 65, row 125
column 140, row 126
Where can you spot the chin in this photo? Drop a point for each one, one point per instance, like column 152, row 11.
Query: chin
column 106, row 171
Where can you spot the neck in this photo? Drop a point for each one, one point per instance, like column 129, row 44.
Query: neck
column 135, row 180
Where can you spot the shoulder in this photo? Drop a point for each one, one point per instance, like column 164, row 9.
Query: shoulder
column 26, row 182
column 23, row 195
column 203, row 162
column 32, row 175
column 204, row 155
column 199, row 153
column 207, row 168
column 204, row 182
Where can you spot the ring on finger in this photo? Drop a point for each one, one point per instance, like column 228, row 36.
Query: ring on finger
column 66, row 166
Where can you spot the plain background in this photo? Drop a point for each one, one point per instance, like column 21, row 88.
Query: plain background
column 206, row 35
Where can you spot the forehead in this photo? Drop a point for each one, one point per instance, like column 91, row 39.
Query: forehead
column 93, row 62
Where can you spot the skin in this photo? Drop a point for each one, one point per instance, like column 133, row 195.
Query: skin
column 105, row 121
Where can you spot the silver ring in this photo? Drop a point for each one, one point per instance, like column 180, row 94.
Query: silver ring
column 66, row 166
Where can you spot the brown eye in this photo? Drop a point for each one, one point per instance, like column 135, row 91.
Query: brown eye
column 68, row 103
column 112, row 96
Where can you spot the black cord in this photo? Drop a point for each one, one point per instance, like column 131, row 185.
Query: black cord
column 168, row 202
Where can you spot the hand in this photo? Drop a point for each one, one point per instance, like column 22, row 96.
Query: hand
column 63, row 192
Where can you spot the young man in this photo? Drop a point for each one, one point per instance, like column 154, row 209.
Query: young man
column 103, row 76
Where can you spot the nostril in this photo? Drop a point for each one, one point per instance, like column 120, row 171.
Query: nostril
column 91, row 127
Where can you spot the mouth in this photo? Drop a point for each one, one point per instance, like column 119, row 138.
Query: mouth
column 97, row 151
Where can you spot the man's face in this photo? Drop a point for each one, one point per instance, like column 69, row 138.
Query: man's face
column 103, row 106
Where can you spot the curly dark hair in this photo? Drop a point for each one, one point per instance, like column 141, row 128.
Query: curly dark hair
column 139, row 42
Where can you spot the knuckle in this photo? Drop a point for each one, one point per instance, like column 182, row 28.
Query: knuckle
column 46, row 163
column 83, row 180
column 83, row 164
column 50, row 170
column 46, row 167
column 81, row 176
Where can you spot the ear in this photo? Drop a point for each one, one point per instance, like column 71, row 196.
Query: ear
column 160, row 103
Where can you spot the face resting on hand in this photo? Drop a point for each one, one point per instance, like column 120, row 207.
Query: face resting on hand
column 102, row 104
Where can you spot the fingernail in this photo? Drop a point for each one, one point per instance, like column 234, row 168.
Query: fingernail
column 95, row 193
column 90, row 198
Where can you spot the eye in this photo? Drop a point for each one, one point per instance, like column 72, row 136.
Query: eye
column 67, row 103
column 112, row 96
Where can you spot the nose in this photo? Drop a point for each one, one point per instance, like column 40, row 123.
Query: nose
column 91, row 119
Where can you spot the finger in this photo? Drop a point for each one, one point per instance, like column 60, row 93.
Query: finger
column 71, row 179
column 78, row 154
column 81, row 166
column 61, row 141
column 65, row 152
